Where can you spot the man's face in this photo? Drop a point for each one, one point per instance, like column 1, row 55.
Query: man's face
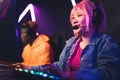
column 81, row 20
column 24, row 35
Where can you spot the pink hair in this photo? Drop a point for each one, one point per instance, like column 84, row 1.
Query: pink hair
column 87, row 7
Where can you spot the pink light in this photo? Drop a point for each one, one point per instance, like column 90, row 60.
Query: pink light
column 73, row 2
column 29, row 7
column 4, row 6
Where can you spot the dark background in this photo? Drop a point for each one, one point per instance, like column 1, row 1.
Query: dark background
column 52, row 17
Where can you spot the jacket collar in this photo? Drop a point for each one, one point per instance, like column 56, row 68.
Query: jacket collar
column 92, row 40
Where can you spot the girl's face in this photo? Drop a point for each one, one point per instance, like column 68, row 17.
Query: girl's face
column 80, row 20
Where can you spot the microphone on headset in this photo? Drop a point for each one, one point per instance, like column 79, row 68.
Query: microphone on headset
column 76, row 27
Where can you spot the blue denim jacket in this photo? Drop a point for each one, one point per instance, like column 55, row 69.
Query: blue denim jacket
column 99, row 60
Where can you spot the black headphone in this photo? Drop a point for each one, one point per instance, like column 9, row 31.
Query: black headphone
column 98, row 15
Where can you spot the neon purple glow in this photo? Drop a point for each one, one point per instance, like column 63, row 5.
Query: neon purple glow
column 29, row 7
column 73, row 2
column 4, row 6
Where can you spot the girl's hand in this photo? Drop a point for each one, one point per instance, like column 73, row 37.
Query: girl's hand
column 63, row 75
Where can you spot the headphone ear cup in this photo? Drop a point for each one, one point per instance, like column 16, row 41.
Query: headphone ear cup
column 97, row 17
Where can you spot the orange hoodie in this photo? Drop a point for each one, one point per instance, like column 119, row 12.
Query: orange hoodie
column 40, row 53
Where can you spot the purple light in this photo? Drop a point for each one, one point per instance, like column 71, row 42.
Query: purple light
column 4, row 5
column 29, row 7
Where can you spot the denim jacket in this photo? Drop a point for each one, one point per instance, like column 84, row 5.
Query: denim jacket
column 99, row 60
